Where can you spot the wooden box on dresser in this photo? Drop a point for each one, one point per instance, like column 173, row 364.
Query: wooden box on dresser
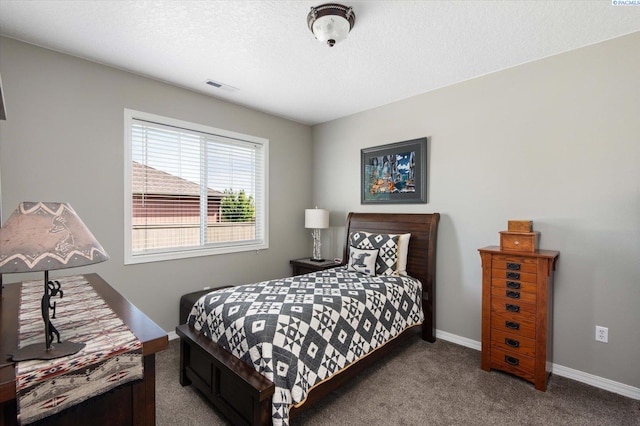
column 517, row 312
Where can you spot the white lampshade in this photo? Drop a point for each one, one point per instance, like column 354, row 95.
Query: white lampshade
column 316, row 218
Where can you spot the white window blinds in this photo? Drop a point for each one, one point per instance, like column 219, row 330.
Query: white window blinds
column 193, row 190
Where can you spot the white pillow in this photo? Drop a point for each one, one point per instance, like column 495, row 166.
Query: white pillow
column 403, row 251
column 362, row 260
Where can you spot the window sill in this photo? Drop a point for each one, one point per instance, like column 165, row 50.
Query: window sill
column 132, row 259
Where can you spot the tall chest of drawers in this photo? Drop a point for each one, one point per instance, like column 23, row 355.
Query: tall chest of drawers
column 517, row 312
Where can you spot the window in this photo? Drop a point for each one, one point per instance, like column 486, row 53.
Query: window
column 192, row 190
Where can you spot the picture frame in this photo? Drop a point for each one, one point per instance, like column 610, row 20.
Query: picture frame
column 395, row 173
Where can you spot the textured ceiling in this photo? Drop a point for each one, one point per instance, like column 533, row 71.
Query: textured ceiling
column 397, row 49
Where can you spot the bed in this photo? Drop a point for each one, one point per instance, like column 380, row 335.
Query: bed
column 245, row 396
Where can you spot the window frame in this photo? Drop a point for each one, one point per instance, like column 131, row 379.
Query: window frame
column 189, row 252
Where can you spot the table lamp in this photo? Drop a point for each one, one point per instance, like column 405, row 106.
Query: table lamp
column 42, row 237
column 316, row 219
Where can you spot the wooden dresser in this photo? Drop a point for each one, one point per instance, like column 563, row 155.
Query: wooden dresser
column 133, row 403
column 517, row 312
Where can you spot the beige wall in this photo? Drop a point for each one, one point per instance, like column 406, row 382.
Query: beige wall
column 64, row 141
column 556, row 141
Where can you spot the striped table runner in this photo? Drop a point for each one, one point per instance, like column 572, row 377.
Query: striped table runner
column 112, row 355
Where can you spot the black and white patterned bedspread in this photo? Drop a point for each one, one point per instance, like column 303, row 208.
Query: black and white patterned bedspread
column 299, row 331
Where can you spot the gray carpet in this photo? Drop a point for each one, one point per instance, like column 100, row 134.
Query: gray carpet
column 420, row 383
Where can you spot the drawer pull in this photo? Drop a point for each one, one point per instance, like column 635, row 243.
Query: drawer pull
column 512, row 325
column 512, row 308
column 511, row 342
column 513, row 266
column 513, row 294
column 513, row 275
column 511, row 360
column 513, row 284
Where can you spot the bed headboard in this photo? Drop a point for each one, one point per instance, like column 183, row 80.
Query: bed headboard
column 421, row 260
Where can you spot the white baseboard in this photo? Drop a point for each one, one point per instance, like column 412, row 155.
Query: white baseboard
column 599, row 382
column 459, row 340
column 560, row 370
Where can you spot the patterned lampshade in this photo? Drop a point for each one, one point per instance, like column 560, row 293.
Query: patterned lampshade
column 46, row 236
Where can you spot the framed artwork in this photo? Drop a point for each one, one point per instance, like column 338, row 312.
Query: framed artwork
column 395, row 173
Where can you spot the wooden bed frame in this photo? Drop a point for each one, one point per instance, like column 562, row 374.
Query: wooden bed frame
column 244, row 396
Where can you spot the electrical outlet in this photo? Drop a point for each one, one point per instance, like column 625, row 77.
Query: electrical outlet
column 602, row 334
column 206, row 288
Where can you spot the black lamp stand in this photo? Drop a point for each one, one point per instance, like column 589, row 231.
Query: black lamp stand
column 49, row 351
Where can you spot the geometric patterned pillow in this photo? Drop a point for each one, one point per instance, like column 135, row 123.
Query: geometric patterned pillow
column 387, row 245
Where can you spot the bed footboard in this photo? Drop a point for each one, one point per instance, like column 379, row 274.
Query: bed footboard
column 241, row 393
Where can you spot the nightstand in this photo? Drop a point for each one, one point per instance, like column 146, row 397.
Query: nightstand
column 306, row 265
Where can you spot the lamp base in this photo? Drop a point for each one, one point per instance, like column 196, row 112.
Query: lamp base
column 38, row 351
column 317, row 260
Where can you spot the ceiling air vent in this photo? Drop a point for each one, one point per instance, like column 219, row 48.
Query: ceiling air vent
column 221, row 86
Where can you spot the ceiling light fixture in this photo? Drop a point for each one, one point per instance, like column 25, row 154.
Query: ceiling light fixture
column 331, row 22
